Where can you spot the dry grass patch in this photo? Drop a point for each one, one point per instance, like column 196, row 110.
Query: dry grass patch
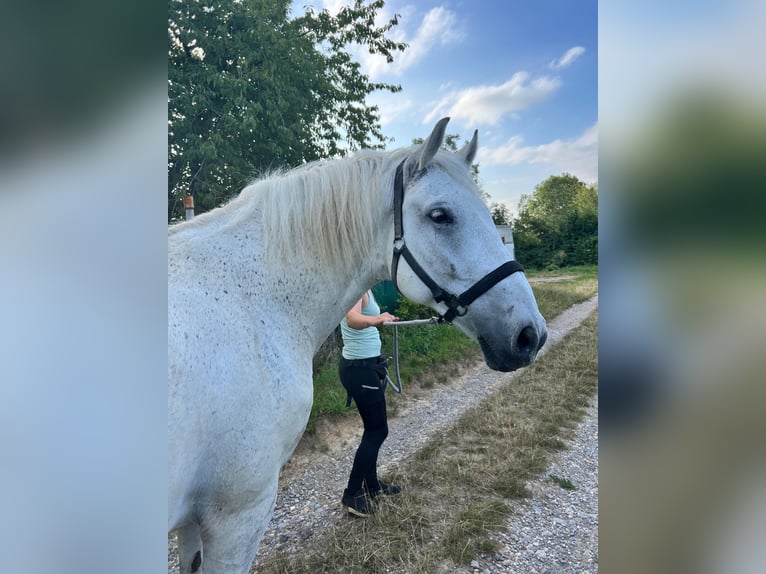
column 468, row 536
column 553, row 298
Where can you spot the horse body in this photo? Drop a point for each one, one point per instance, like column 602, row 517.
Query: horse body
column 255, row 287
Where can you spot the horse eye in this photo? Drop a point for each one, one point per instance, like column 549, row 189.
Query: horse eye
column 440, row 216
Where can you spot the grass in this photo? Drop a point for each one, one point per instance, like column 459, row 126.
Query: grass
column 431, row 355
column 467, row 535
column 564, row 483
column 553, row 298
column 580, row 270
column 459, row 488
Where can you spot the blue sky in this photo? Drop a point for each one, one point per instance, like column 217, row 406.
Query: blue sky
column 524, row 73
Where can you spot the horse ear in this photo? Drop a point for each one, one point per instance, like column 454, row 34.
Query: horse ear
column 468, row 152
column 433, row 143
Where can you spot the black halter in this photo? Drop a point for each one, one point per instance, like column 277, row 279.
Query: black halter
column 457, row 304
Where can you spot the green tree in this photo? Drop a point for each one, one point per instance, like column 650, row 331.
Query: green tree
column 558, row 224
column 554, row 200
column 501, row 215
column 251, row 89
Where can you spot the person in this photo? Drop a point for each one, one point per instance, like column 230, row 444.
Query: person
column 362, row 371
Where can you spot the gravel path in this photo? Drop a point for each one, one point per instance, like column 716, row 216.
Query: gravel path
column 559, row 533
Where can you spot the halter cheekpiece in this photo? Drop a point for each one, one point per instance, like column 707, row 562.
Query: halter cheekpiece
column 457, row 304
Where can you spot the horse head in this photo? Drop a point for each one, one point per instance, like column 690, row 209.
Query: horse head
column 449, row 256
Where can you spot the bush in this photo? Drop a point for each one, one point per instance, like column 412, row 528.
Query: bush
column 558, row 225
column 406, row 310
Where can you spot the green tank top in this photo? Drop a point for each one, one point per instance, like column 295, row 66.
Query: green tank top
column 362, row 343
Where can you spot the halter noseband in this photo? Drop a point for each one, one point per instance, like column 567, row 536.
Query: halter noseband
column 457, row 304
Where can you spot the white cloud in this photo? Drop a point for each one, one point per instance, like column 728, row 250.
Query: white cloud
column 439, row 27
column 487, row 105
column 392, row 107
column 578, row 156
column 334, row 6
column 569, row 56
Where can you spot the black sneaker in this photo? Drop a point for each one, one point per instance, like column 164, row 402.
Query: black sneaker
column 387, row 489
column 358, row 504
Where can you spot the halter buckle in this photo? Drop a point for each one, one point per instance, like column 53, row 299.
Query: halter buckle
column 450, row 300
column 454, row 307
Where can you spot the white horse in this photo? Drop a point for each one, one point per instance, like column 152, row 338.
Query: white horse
column 256, row 286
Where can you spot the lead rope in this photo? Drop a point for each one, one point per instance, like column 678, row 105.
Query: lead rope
column 396, row 324
column 397, row 389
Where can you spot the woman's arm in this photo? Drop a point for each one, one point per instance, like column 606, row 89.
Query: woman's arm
column 356, row 320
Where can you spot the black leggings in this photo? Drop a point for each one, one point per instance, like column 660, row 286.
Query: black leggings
column 364, row 384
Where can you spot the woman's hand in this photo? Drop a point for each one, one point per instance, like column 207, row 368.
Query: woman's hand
column 356, row 320
column 384, row 318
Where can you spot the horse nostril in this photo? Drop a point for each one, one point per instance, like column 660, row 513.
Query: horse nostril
column 527, row 341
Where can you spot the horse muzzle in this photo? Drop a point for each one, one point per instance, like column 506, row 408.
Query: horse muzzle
column 519, row 350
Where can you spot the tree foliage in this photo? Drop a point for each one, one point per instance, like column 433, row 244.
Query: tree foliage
column 558, row 224
column 501, row 215
column 251, row 89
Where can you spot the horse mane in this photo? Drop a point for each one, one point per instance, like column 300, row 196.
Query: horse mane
column 327, row 211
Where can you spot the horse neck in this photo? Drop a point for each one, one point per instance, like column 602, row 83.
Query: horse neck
column 322, row 304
